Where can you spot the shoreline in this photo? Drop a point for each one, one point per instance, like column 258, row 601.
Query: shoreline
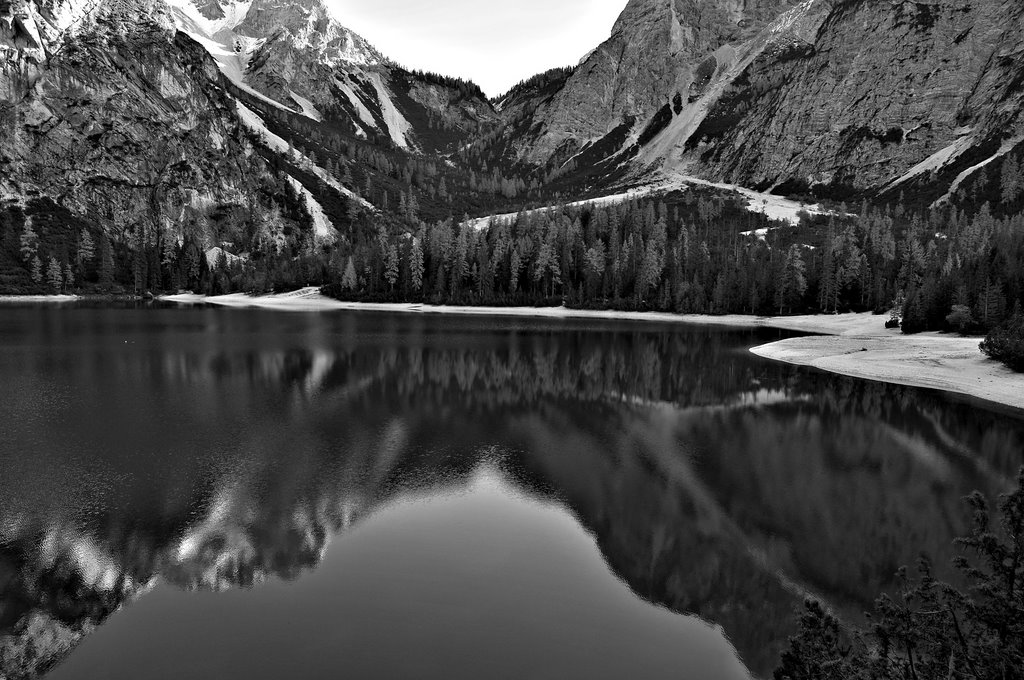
column 51, row 299
column 930, row 360
column 854, row 345
column 310, row 300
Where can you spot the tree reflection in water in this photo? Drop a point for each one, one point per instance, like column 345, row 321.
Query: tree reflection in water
column 217, row 450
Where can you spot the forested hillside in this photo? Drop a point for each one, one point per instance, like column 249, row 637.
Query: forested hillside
column 706, row 255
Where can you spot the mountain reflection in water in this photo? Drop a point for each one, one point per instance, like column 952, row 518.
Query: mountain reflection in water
column 212, row 450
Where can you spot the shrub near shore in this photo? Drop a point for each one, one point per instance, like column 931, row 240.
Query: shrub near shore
column 1006, row 342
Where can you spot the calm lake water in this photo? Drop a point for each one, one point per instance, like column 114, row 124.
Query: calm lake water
column 206, row 493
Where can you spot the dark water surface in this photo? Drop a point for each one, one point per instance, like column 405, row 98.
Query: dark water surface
column 207, row 493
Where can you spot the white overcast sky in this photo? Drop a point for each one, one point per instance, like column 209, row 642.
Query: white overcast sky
column 496, row 44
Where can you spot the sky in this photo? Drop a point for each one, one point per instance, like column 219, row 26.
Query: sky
column 495, row 44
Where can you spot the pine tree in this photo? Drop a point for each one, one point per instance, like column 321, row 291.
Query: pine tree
column 37, row 269
column 391, row 266
column 991, row 308
column 515, row 266
column 595, row 264
column 54, row 275
column 852, row 265
column 29, row 241
column 791, row 284
column 827, row 285
column 414, row 204
column 169, row 251
column 718, row 295
column 1011, row 181
column 86, row 246
column 348, row 279
column 106, row 263
column 69, row 277
column 416, row 264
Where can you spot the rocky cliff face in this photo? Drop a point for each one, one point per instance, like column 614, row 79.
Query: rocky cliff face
column 658, row 49
column 837, row 96
column 106, row 109
column 885, row 92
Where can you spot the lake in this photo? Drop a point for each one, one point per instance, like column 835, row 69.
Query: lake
column 208, row 493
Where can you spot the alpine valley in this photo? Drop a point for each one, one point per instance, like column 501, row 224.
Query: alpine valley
column 215, row 146
column 754, row 157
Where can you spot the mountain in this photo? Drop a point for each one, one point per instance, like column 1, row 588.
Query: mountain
column 298, row 56
column 115, row 124
column 836, row 97
column 266, row 134
column 161, row 130
column 657, row 50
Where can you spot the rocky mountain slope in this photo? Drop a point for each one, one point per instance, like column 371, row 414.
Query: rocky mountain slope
column 298, row 56
column 841, row 97
column 80, row 118
column 148, row 123
column 657, row 50
column 117, row 122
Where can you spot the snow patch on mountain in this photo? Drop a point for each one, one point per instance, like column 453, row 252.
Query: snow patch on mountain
column 601, row 201
column 65, row 15
column 398, row 127
column 365, row 118
column 231, row 52
column 308, row 109
column 936, row 161
column 1006, row 148
column 322, row 226
column 773, row 207
column 231, row 41
column 252, row 121
column 295, row 40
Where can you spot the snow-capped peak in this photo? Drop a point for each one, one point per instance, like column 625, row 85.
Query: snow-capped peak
column 239, row 27
column 235, row 31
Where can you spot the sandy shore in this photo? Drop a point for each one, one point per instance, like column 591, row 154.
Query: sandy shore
column 310, row 299
column 22, row 299
column 931, row 360
column 856, row 345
